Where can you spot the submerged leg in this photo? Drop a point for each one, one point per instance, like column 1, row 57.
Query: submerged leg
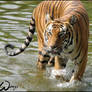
column 60, row 64
column 79, row 70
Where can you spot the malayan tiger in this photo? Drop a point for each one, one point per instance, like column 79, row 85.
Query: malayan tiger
column 63, row 29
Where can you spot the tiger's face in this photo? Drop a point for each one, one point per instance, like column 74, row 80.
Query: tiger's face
column 56, row 36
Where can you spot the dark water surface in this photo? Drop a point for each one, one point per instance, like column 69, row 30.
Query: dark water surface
column 21, row 70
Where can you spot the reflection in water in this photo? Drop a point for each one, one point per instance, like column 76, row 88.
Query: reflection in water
column 21, row 70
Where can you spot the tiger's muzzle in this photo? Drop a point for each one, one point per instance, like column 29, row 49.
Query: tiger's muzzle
column 52, row 50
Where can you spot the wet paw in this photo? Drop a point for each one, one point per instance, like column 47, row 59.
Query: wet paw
column 41, row 66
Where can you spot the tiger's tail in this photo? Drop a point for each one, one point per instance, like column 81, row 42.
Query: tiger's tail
column 25, row 44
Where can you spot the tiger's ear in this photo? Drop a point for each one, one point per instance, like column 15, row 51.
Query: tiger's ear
column 48, row 18
column 73, row 20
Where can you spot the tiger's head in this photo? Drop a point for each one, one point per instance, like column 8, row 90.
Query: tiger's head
column 57, row 35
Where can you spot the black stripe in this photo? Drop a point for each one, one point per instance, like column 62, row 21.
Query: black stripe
column 85, row 16
column 53, row 10
column 56, row 10
column 80, row 35
column 50, row 8
column 44, row 61
column 77, row 37
column 69, row 38
column 32, row 30
column 73, row 71
column 21, row 49
column 77, row 55
column 63, row 64
column 26, row 43
column 29, row 38
column 59, row 10
column 53, row 13
column 50, row 11
column 71, row 42
column 33, row 19
column 47, row 7
column 79, row 46
column 83, row 56
column 80, row 39
column 32, row 24
column 81, row 59
column 82, row 16
column 44, row 55
column 71, row 51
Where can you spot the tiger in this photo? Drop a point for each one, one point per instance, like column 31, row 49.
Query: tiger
column 62, row 31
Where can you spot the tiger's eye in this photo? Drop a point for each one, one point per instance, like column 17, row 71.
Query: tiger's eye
column 62, row 26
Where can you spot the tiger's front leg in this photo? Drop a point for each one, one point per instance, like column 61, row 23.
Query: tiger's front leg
column 42, row 60
column 79, row 70
column 60, row 64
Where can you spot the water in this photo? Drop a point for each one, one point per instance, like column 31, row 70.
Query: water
column 21, row 70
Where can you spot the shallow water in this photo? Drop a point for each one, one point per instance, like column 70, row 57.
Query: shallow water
column 21, row 70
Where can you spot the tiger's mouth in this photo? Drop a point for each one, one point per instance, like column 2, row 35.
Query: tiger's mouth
column 54, row 52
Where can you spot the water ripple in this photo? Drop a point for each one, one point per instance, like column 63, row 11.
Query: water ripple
column 15, row 18
column 10, row 6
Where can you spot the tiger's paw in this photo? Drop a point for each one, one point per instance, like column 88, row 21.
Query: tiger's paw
column 61, row 75
column 40, row 65
column 74, row 79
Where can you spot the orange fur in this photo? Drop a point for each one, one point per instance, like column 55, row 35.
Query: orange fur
column 63, row 29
